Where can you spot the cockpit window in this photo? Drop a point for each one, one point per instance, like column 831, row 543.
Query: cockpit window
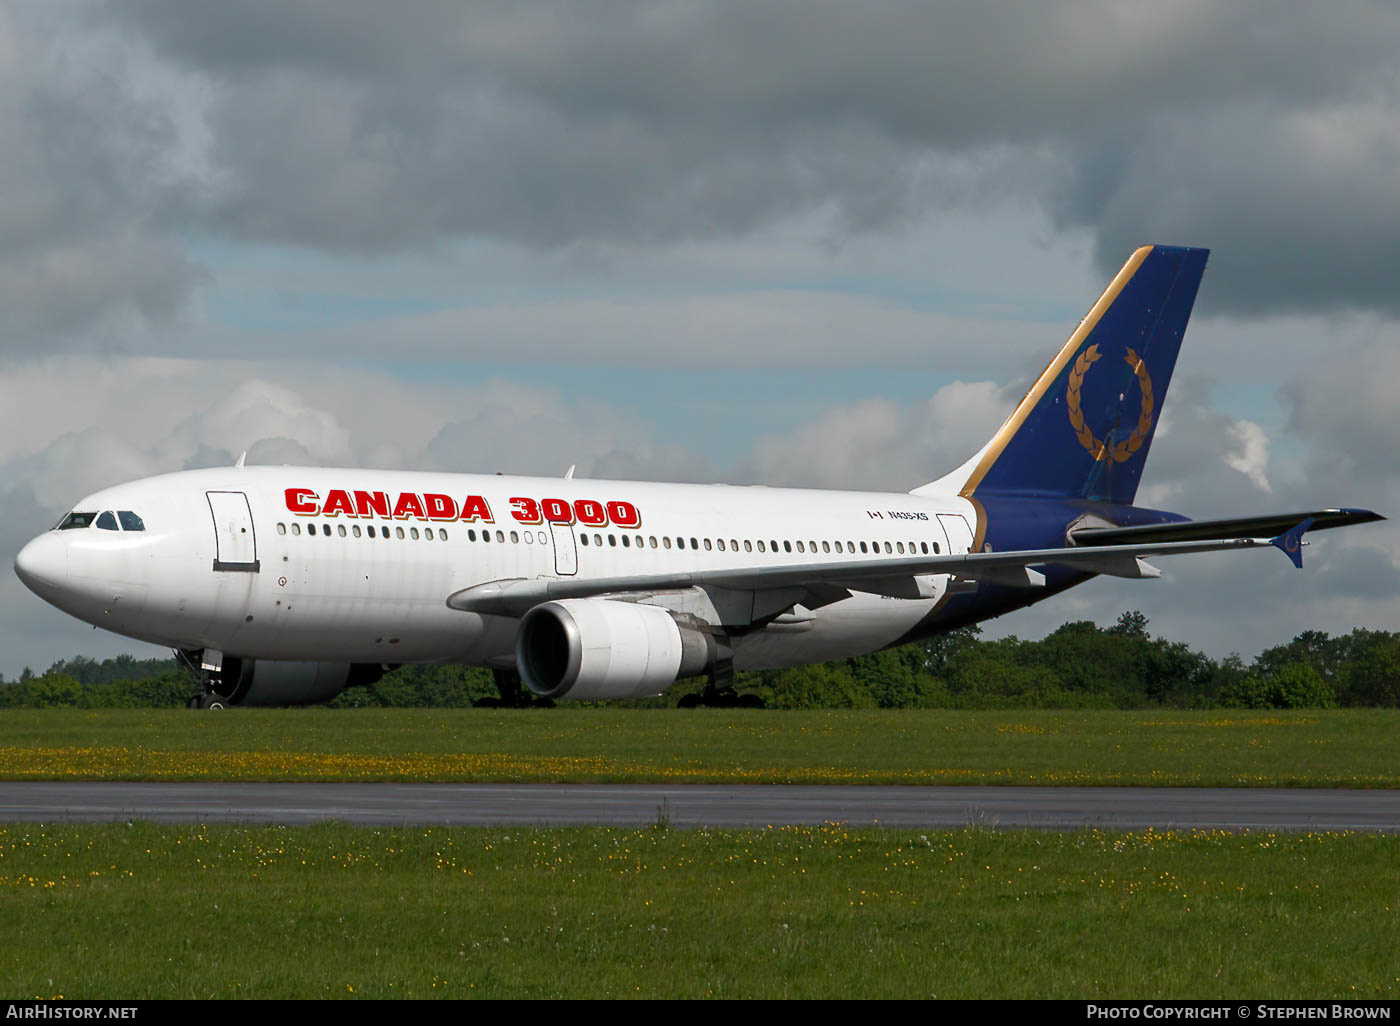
column 76, row 520
column 107, row 522
column 130, row 521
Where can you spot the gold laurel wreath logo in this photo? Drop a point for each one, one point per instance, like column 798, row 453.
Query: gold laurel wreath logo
column 1100, row 449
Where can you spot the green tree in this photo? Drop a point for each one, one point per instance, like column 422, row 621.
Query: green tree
column 1294, row 685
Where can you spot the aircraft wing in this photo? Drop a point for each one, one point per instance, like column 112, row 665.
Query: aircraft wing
column 1238, row 527
column 897, row 576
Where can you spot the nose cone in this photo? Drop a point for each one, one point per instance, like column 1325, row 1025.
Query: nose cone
column 43, row 565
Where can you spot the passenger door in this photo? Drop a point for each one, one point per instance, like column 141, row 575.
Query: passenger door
column 958, row 532
column 565, row 551
column 236, row 543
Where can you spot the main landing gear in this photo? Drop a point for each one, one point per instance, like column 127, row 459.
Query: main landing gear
column 719, row 692
column 513, row 694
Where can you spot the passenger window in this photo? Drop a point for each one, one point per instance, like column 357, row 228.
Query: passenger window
column 666, row 541
column 838, row 547
column 370, row 530
column 106, row 521
column 543, row 539
column 787, row 546
column 720, row 543
column 74, row 521
column 935, row 548
column 296, row 529
column 340, row 530
column 281, row 528
column 514, row 538
column 625, row 542
column 355, row 530
column 471, row 534
column 694, row 544
column 862, row 546
column 529, row 537
column 760, row 545
column 899, row 546
column 826, row 546
column 800, row 547
column 583, row 539
column 326, row 530
column 653, row 541
column 888, row 547
column 612, row 540
column 748, row 545
column 413, row 533
column 130, row 521
column 500, row 537
column 773, row 544
column 708, row 546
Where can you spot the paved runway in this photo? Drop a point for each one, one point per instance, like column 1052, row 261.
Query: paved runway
column 702, row 805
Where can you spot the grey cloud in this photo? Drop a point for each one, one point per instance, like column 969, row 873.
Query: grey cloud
column 1266, row 131
column 83, row 187
column 1204, row 463
column 880, row 444
column 1345, row 403
column 1359, row 570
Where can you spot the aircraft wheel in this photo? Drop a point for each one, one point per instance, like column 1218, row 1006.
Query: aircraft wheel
column 751, row 701
column 689, row 702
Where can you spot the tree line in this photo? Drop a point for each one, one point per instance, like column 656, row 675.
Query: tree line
column 1078, row 666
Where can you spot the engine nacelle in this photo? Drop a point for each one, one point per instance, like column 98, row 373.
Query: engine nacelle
column 596, row 648
column 278, row 682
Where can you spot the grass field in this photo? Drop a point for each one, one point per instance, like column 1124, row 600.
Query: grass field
column 1343, row 748
column 333, row 911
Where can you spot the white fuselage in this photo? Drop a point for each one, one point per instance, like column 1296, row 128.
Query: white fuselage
column 356, row 565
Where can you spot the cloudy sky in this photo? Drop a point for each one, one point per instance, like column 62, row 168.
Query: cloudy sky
column 805, row 242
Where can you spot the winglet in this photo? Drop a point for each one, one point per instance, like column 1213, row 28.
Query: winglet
column 1290, row 543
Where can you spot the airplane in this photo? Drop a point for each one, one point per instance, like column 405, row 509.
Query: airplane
column 285, row 585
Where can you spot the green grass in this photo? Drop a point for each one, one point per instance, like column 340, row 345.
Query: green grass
column 1344, row 748
column 140, row 911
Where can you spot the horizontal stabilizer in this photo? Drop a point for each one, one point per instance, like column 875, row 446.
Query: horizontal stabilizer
column 1238, row 527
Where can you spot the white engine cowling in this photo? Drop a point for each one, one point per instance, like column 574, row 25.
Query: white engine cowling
column 596, row 648
column 277, row 682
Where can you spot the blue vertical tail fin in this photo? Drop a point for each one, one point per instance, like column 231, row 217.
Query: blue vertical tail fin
column 1085, row 427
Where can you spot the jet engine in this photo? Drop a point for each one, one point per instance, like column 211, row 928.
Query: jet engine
column 277, row 682
column 596, row 648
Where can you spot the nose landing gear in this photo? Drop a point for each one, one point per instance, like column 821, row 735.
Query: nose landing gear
column 206, row 670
